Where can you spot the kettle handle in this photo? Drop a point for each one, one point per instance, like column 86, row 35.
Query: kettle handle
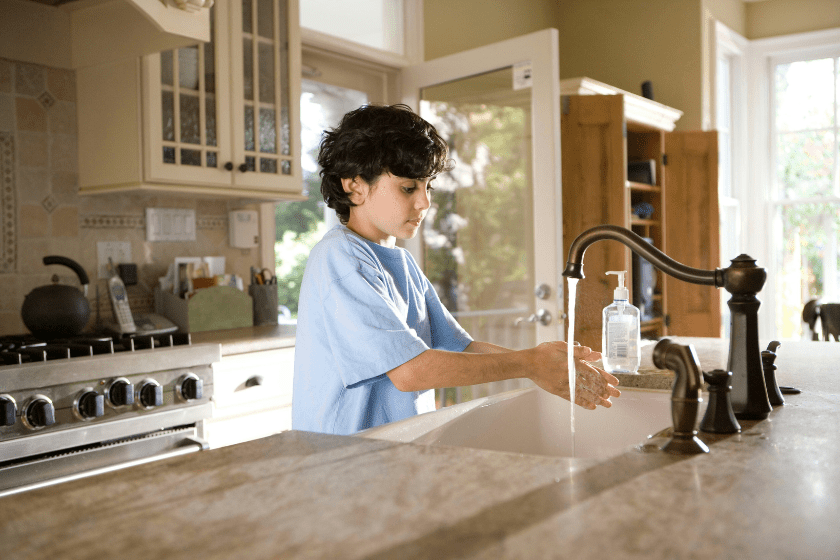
column 70, row 263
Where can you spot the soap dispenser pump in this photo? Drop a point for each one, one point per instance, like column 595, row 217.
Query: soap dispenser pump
column 621, row 333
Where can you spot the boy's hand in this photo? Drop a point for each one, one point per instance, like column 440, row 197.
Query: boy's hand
column 593, row 386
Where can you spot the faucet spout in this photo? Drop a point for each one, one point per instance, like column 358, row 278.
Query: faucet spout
column 574, row 265
column 743, row 279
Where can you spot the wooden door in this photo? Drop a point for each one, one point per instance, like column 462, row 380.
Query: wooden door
column 594, row 193
column 693, row 230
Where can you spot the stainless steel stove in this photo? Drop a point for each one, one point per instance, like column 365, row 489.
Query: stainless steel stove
column 78, row 407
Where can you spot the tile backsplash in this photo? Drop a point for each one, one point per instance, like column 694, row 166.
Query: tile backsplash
column 42, row 214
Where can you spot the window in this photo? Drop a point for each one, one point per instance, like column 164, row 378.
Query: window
column 385, row 31
column 805, row 187
column 794, row 201
column 375, row 23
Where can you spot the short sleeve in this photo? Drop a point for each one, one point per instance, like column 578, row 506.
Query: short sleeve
column 364, row 326
column 447, row 334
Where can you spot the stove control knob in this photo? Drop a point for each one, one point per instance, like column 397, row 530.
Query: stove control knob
column 150, row 394
column 39, row 413
column 190, row 387
column 119, row 392
column 8, row 410
column 89, row 404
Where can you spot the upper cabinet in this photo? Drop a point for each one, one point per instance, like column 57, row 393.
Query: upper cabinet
column 670, row 199
column 219, row 118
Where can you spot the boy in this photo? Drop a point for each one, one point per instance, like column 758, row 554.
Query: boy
column 373, row 338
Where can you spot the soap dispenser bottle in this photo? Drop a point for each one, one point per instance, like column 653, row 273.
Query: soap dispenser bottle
column 621, row 334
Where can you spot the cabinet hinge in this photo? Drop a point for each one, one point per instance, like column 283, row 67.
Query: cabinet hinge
column 565, row 103
column 667, row 320
column 664, row 159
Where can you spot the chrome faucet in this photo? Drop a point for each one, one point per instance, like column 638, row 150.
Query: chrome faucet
column 743, row 279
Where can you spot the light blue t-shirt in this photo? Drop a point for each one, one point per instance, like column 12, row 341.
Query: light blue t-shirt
column 364, row 310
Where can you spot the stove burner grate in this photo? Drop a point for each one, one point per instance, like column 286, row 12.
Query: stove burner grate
column 21, row 349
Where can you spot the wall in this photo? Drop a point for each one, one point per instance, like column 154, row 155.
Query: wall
column 452, row 27
column 771, row 18
column 625, row 42
column 41, row 213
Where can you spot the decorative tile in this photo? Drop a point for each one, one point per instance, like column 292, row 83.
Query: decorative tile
column 211, row 222
column 65, row 222
column 5, row 75
column 8, row 225
column 49, row 203
column 30, row 79
column 113, row 222
column 62, row 83
column 30, row 115
column 46, row 100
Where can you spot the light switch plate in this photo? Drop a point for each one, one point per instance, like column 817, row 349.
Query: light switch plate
column 118, row 251
column 170, row 224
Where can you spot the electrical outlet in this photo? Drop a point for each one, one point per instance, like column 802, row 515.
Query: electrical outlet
column 118, row 251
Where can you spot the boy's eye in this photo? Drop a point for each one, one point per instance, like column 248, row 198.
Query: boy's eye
column 429, row 188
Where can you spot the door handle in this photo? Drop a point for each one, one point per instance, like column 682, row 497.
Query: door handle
column 542, row 316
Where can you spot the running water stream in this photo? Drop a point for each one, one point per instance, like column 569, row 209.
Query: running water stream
column 572, row 284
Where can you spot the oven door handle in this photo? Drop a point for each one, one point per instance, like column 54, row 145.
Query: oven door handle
column 185, row 446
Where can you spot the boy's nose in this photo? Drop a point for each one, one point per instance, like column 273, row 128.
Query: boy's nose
column 424, row 201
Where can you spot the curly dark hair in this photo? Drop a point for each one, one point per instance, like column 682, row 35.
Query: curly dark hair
column 377, row 139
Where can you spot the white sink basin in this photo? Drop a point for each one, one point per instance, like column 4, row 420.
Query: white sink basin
column 535, row 422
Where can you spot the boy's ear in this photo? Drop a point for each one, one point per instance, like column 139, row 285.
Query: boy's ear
column 356, row 188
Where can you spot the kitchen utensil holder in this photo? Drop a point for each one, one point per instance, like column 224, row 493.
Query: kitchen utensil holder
column 265, row 303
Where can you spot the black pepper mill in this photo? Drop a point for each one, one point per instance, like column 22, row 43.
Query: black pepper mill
column 768, row 359
column 719, row 417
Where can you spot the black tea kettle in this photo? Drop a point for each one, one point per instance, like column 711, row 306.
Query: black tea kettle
column 57, row 310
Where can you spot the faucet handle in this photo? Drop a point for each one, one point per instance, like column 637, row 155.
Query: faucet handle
column 719, row 417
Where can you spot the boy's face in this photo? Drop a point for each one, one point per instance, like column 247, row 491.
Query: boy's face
column 391, row 208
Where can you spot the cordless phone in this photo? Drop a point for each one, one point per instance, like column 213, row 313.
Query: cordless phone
column 119, row 301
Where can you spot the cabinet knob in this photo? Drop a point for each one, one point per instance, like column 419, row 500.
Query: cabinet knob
column 243, row 167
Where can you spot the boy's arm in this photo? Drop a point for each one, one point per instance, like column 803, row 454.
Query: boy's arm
column 545, row 365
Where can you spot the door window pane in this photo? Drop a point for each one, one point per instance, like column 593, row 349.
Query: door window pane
column 478, row 233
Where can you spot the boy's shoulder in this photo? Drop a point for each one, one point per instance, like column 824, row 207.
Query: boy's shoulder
column 342, row 251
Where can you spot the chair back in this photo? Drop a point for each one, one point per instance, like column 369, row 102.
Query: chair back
column 828, row 315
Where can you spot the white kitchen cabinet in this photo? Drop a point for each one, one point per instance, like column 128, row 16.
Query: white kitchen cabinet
column 218, row 118
column 252, row 397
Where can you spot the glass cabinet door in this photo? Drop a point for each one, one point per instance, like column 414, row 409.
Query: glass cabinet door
column 188, row 139
column 220, row 114
column 264, row 135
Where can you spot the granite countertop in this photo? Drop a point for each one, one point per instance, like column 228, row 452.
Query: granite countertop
column 248, row 339
column 770, row 492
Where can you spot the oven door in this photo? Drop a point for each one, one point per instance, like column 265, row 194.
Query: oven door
column 70, row 464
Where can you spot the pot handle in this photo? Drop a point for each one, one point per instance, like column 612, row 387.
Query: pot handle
column 70, row 263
